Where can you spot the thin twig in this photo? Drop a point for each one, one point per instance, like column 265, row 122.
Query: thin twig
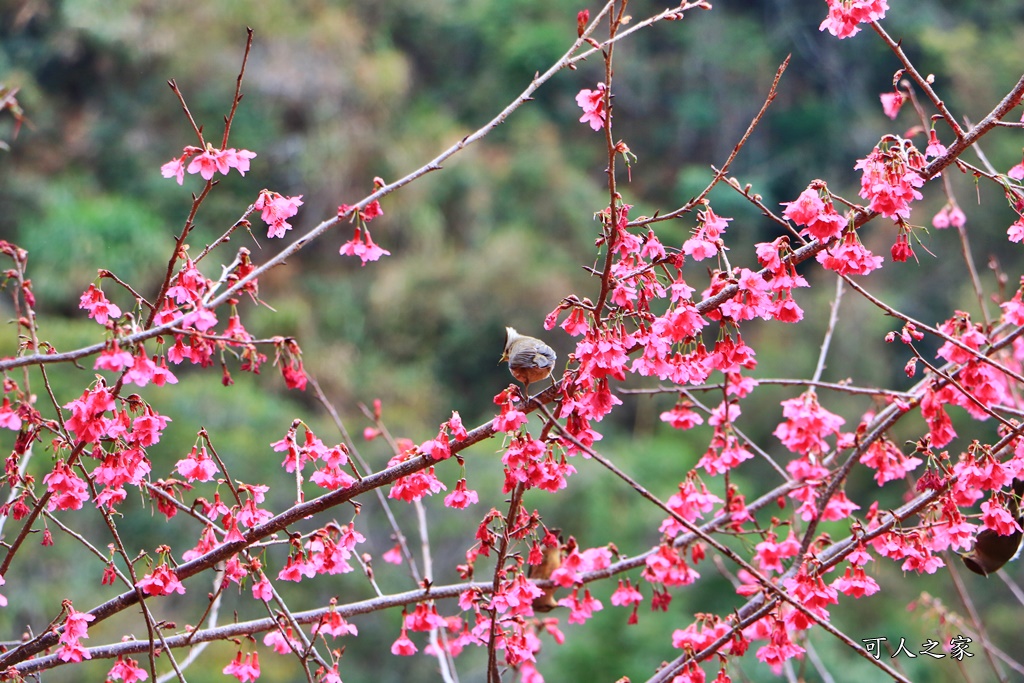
column 833, row 318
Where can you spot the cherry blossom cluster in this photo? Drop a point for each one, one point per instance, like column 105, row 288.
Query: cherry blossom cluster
column 671, row 341
column 645, row 319
column 845, row 16
column 207, row 162
column 592, row 102
column 185, row 307
column 275, row 210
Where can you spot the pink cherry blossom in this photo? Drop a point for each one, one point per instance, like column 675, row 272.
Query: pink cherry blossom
column 891, row 103
column 592, row 103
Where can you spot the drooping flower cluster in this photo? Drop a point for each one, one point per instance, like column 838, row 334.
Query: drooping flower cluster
column 817, row 216
column 161, row 581
column 328, row 461
column 362, row 244
column 326, row 552
column 890, row 177
column 99, row 307
column 707, row 239
column 128, row 670
column 275, row 210
column 849, row 257
column 76, row 627
column 246, row 669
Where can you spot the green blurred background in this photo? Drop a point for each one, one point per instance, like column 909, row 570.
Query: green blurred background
column 339, row 92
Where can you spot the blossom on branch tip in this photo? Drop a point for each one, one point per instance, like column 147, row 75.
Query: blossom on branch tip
column 700, row 634
column 416, row 485
column 175, row 168
column 581, row 609
column 855, row 583
column 996, row 517
column 424, row 618
column 334, row 624
column 707, row 238
column 510, row 418
column 901, row 249
column 689, row 503
column 626, row 594
column 770, row 552
column 207, row 162
column 845, row 16
column 114, row 359
column 394, row 555
column 262, row 590
column 668, row 567
column 582, row 19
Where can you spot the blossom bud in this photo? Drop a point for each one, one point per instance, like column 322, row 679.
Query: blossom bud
column 582, row 19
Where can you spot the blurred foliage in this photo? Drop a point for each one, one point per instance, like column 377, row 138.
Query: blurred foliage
column 339, row 92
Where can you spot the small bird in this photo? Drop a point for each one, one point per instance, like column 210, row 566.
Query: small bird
column 992, row 551
column 529, row 359
column 553, row 553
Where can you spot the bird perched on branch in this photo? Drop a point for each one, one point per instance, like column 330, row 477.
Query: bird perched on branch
column 992, row 551
column 529, row 359
column 555, row 550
